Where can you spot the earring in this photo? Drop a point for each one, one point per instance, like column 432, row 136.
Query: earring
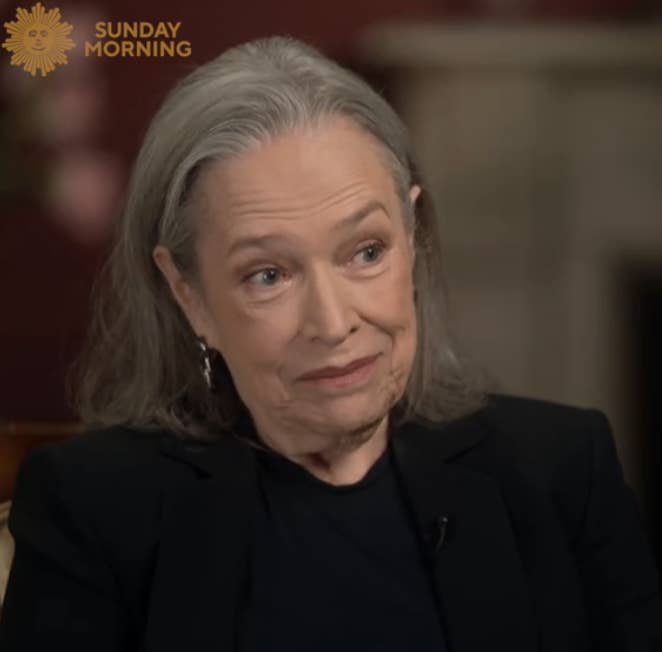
column 205, row 361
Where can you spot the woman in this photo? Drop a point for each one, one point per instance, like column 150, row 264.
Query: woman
column 284, row 452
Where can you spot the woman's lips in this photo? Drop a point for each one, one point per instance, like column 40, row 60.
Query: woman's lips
column 357, row 370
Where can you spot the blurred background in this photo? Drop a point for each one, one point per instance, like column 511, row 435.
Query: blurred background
column 538, row 124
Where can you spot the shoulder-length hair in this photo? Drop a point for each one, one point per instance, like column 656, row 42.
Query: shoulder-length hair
column 140, row 363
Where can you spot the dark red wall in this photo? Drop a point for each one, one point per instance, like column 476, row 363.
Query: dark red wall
column 45, row 276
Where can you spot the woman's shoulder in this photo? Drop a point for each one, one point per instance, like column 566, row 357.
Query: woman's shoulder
column 119, row 448
column 561, row 451
column 542, row 430
column 104, row 482
column 553, row 447
column 517, row 412
column 99, row 467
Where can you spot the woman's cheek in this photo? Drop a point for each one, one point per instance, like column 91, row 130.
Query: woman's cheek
column 405, row 341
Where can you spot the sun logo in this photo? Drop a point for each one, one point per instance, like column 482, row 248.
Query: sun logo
column 38, row 39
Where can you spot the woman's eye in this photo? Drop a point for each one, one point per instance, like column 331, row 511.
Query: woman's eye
column 372, row 253
column 267, row 277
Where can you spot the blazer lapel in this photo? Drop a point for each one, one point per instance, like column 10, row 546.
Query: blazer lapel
column 479, row 581
column 200, row 573
column 202, row 563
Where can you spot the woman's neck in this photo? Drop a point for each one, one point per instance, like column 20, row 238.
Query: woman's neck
column 345, row 461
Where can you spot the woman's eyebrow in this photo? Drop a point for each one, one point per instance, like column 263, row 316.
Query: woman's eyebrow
column 360, row 214
column 352, row 220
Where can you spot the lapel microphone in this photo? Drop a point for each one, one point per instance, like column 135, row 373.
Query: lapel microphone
column 439, row 532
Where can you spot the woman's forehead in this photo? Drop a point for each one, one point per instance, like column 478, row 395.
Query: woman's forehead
column 336, row 166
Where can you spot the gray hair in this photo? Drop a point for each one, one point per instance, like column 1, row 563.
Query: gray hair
column 140, row 363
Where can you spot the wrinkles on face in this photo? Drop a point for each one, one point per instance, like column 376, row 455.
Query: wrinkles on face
column 255, row 204
column 306, row 247
column 313, row 297
column 276, row 189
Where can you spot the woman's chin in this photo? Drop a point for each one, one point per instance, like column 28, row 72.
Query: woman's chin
column 354, row 417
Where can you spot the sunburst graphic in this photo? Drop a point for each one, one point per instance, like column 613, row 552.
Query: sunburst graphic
column 38, row 39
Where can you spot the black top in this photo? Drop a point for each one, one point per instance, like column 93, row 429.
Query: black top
column 129, row 539
column 337, row 567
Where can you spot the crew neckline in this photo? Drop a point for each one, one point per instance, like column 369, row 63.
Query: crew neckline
column 284, row 469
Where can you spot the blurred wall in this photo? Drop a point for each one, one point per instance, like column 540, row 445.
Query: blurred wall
column 67, row 142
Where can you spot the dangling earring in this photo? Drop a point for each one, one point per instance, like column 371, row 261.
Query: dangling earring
column 205, row 361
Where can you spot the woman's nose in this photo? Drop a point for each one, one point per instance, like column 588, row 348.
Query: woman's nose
column 327, row 312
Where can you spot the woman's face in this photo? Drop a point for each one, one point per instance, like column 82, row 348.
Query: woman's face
column 305, row 263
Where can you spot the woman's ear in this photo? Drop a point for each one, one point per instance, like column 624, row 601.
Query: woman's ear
column 414, row 192
column 184, row 294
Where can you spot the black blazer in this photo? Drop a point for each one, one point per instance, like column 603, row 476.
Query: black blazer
column 130, row 540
